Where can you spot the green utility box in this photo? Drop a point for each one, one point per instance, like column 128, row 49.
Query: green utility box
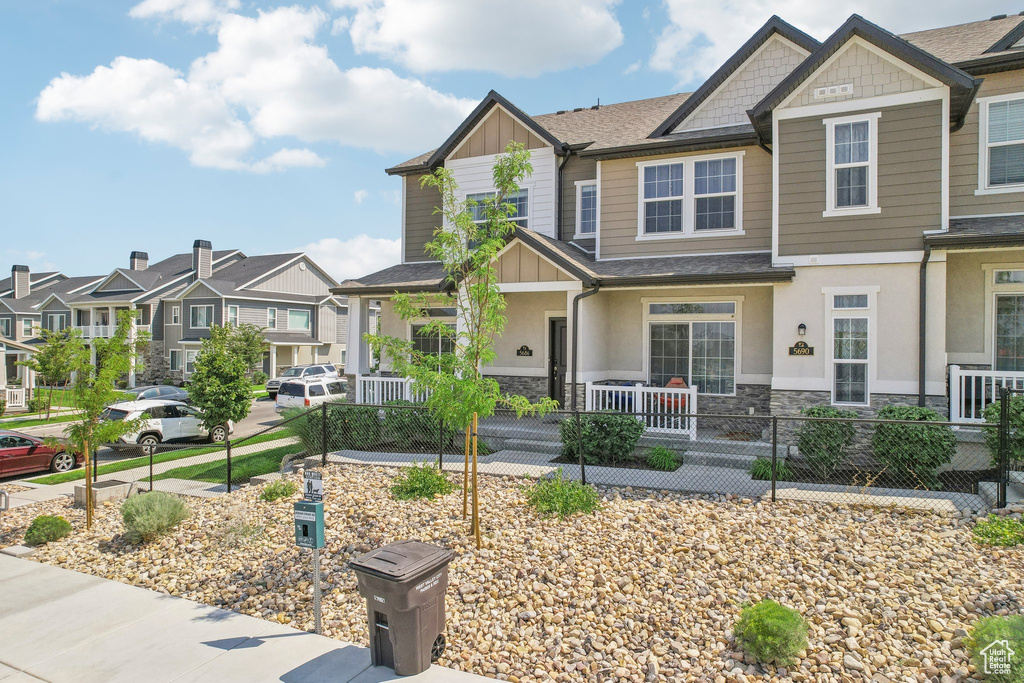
column 309, row 524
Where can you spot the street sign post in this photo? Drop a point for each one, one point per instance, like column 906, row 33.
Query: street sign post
column 313, row 486
column 309, row 533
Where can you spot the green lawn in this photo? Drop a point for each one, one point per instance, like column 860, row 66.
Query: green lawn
column 259, row 391
column 242, row 467
column 35, row 421
column 169, row 456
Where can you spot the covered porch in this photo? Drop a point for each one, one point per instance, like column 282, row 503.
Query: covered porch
column 16, row 381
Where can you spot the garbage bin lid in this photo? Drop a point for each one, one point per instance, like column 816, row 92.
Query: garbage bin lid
column 402, row 560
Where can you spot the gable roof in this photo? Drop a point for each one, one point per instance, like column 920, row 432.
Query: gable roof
column 62, row 289
column 971, row 42
column 962, row 85
column 774, row 25
column 34, row 279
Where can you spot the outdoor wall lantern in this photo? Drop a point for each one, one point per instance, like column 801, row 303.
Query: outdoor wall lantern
column 801, row 329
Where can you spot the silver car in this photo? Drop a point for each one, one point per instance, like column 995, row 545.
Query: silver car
column 319, row 370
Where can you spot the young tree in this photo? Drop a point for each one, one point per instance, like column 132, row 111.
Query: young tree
column 247, row 340
column 219, row 386
column 466, row 245
column 54, row 360
column 96, row 386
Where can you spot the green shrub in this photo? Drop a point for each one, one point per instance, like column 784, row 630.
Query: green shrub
column 771, row 632
column 1015, row 436
column 562, row 497
column 275, row 490
column 421, row 480
column 349, row 427
column 259, row 377
column 46, row 528
column 661, row 458
column 823, row 444
column 607, row 437
column 148, row 516
column 997, row 530
column 36, row 404
column 761, row 469
column 408, row 423
column 3, row 405
column 913, row 452
column 991, row 630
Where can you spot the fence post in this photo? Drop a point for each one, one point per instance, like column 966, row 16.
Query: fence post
column 95, row 466
column 1004, row 445
column 775, row 451
column 227, row 443
column 440, row 445
column 323, row 437
column 955, row 408
column 579, row 448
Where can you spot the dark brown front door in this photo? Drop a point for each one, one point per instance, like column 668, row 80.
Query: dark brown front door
column 558, row 345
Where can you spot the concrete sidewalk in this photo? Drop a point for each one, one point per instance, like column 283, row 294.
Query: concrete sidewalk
column 59, row 625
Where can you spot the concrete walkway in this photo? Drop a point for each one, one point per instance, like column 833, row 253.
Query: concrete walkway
column 62, row 626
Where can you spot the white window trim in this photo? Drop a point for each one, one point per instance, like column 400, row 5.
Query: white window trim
column 838, row 314
column 237, row 311
column 580, row 184
column 5, row 327
column 983, row 146
column 200, row 327
column 271, row 325
column 851, row 308
column 170, row 361
column 525, row 186
column 26, row 322
column 184, row 366
column 175, row 315
column 831, row 210
column 689, row 199
column 50, row 318
column 309, row 325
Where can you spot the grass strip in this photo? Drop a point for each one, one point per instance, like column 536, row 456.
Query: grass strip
column 242, row 466
column 35, row 422
column 143, row 461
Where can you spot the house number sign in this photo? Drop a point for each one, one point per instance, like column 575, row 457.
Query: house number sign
column 801, row 349
column 524, row 350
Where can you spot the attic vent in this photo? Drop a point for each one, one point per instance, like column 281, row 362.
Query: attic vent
column 560, row 111
column 578, row 109
column 997, row 17
column 833, row 90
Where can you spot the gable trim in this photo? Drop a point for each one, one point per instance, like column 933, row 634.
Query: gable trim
column 114, row 273
column 511, row 243
column 196, row 284
column 481, row 122
column 285, row 265
column 1008, row 41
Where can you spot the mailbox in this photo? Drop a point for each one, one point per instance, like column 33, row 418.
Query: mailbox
column 309, row 524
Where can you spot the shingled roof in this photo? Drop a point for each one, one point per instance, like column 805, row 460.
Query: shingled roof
column 970, row 41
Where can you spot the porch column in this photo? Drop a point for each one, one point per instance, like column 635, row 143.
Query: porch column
column 111, row 321
column 295, row 356
column 358, row 351
column 132, row 335
column 273, row 362
column 3, row 366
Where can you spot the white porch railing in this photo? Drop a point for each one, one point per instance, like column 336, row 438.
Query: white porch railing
column 971, row 391
column 377, row 390
column 15, row 398
column 662, row 409
column 93, row 331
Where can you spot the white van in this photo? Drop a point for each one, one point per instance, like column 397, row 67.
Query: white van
column 305, row 393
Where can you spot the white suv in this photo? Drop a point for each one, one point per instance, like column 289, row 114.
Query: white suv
column 164, row 421
column 300, row 372
column 304, row 393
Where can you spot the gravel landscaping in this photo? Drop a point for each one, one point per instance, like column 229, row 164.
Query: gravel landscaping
column 648, row 588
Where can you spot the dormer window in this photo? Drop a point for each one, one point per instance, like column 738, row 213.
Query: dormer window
column 851, row 185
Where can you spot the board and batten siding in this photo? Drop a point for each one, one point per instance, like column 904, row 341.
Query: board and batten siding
column 909, row 185
column 296, row 279
column 521, row 264
column 963, row 156
column 576, row 169
column 494, row 134
column 420, row 219
column 620, row 204
column 326, row 326
column 119, row 283
column 341, row 320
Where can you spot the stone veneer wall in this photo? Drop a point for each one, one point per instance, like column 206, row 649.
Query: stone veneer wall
column 791, row 402
column 756, row 396
column 533, row 388
column 154, row 363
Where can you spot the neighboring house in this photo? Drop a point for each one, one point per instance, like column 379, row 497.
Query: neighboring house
column 176, row 300
column 818, row 223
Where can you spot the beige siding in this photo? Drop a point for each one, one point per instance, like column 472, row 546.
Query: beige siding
column 493, row 136
column 969, row 302
column 326, row 324
column 522, row 264
column 909, row 185
column 870, row 74
column 296, row 280
column 746, row 87
column 963, row 157
column 420, row 219
column 118, row 283
column 575, row 169
column 620, row 206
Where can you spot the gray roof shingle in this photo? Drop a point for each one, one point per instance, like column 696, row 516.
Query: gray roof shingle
column 980, row 232
column 964, row 42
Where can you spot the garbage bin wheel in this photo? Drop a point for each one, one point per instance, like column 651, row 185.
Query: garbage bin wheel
column 437, row 649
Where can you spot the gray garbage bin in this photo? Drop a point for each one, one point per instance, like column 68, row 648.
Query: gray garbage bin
column 404, row 585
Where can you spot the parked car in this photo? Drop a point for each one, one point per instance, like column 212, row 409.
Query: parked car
column 21, row 453
column 304, row 393
column 300, row 372
column 165, row 392
column 163, row 422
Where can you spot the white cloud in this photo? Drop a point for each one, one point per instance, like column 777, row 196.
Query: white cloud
column 354, row 257
column 523, row 38
column 36, row 260
column 339, row 26
column 359, row 195
column 631, row 69
column 701, row 35
column 188, row 11
column 267, row 79
column 392, row 196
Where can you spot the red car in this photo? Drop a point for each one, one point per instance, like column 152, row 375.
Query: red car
column 21, row 453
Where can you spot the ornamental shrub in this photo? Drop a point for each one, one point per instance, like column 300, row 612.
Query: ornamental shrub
column 259, row 377
column 998, row 530
column 1015, row 435
column 606, row 438
column 3, row 405
column 772, row 633
column 990, row 638
column 349, row 427
column 661, row 458
column 761, row 469
column 149, row 516
column 563, row 497
column 913, row 452
column 421, row 480
column 46, row 528
column 408, row 423
column 275, row 490
column 823, row 444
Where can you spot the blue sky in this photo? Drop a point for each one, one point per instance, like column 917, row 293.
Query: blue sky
column 116, row 138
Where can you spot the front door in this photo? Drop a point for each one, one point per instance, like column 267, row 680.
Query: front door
column 559, row 347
